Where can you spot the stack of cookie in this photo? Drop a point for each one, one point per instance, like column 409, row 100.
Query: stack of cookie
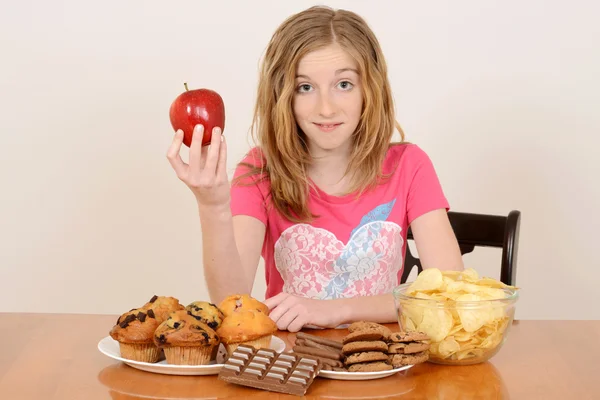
column 366, row 348
column 328, row 351
column 371, row 347
column 408, row 348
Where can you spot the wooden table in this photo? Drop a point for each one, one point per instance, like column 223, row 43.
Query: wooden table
column 54, row 356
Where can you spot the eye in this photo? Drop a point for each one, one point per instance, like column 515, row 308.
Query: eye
column 304, row 88
column 345, row 85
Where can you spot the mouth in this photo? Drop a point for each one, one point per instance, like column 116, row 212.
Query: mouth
column 327, row 127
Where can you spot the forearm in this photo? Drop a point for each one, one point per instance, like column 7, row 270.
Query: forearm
column 220, row 255
column 436, row 243
column 380, row 309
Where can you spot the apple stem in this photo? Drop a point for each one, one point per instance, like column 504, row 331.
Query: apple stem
column 186, row 87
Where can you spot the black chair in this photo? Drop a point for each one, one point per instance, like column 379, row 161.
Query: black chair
column 480, row 230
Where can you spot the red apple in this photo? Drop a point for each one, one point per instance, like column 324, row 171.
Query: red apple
column 198, row 106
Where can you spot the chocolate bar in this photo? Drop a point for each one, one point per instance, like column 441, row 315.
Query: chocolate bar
column 265, row 369
column 321, row 340
column 310, row 343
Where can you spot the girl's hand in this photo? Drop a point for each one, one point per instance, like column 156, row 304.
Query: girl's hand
column 293, row 312
column 206, row 173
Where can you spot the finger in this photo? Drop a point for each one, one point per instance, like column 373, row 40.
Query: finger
column 174, row 156
column 213, row 152
column 297, row 324
column 283, row 323
column 204, row 153
column 274, row 301
column 222, row 165
column 196, row 149
column 287, row 303
column 276, row 313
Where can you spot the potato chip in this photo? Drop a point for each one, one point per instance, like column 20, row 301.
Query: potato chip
column 456, row 287
column 459, row 311
column 421, row 295
column 451, row 296
column 492, row 283
column 463, row 336
column 455, row 329
column 446, row 281
column 448, row 346
column 491, row 293
column 469, row 275
column 409, row 324
column 414, row 313
column 491, row 341
column 468, row 353
column 452, row 275
column 472, row 319
column 429, row 279
column 436, row 323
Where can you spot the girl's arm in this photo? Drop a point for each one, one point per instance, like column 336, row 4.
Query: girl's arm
column 436, row 243
column 224, row 237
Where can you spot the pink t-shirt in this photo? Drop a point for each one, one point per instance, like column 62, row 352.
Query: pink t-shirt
column 356, row 246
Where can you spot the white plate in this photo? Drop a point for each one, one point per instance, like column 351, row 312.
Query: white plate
column 361, row 376
column 110, row 347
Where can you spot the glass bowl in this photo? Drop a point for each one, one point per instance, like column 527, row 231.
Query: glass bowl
column 461, row 332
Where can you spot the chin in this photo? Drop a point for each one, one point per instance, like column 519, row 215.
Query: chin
column 330, row 147
column 329, row 142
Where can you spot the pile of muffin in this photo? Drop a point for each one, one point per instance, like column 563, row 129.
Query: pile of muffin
column 192, row 334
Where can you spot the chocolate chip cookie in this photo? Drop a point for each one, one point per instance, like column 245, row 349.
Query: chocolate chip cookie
column 370, row 367
column 405, row 337
column 407, row 348
column 366, row 335
column 366, row 326
column 362, row 346
column 367, row 356
column 398, row 360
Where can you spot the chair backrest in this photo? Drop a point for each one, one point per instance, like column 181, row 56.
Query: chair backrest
column 480, row 230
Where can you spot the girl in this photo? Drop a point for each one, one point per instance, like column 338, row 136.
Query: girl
column 325, row 197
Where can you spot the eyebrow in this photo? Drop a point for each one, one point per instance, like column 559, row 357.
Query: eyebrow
column 337, row 72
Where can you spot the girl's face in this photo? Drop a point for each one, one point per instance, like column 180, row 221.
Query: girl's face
column 328, row 100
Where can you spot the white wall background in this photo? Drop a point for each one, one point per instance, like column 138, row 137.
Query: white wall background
column 504, row 97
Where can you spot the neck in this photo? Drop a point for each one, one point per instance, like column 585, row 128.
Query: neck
column 328, row 171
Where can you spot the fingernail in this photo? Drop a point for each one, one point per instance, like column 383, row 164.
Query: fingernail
column 218, row 130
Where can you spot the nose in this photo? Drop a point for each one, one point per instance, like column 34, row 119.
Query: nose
column 326, row 106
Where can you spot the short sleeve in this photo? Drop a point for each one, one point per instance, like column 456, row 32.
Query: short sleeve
column 425, row 192
column 249, row 193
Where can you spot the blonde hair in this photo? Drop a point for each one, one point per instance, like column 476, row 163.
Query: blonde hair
column 283, row 148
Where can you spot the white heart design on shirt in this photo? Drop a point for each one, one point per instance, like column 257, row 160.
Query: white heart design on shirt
column 315, row 264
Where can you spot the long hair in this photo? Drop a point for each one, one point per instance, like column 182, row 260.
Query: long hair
column 283, row 151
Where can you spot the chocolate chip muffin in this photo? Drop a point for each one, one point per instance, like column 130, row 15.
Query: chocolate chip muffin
column 186, row 340
column 134, row 331
column 242, row 302
column 250, row 327
column 162, row 306
column 206, row 312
